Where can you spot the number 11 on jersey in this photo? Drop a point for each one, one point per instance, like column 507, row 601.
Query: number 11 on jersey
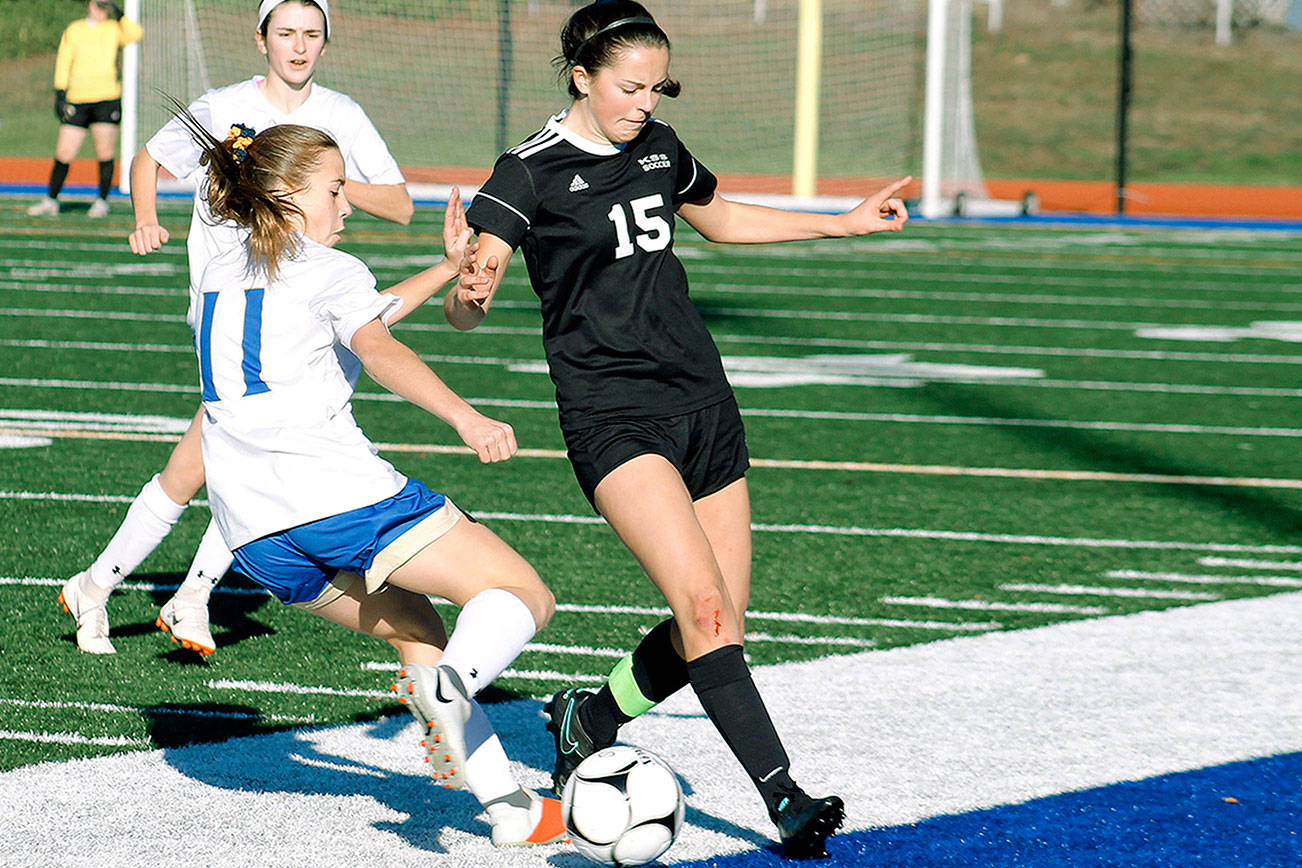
column 251, row 345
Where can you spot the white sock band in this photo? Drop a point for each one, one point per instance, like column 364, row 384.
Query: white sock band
column 491, row 631
column 149, row 519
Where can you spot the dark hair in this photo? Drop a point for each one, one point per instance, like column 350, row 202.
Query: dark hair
column 266, row 22
column 251, row 178
column 597, row 32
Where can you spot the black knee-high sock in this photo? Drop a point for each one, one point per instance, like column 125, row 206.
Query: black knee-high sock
column 105, row 178
column 722, row 682
column 58, row 175
column 657, row 672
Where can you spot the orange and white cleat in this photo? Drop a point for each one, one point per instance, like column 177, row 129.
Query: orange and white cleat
column 438, row 701
column 187, row 625
column 520, row 823
column 85, row 601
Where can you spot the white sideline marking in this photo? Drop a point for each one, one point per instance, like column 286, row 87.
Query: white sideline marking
column 1026, row 714
column 787, row 464
column 1087, row 591
column 23, row 441
column 663, row 611
column 46, row 581
column 72, row 738
column 905, row 533
column 1268, row 581
column 90, row 289
column 812, row 640
column 158, row 709
column 1250, row 564
column 773, row 340
column 351, row 769
column 994, row 605
column 994, row 297
column 1017, row 383
column 298, row 689
column 129, row 316
column 778, row 413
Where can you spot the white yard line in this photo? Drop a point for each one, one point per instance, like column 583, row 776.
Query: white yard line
column 157, row 710
column 73, row 738
column 833, row 530
column 1099, row 591
column 1209, row 579
column 993, row 605
column 1248, row 564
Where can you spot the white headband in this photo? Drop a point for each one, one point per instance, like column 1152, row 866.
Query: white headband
column 264, row 12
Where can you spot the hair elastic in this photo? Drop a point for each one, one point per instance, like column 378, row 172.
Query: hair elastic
column 242, row 137
column 619, row 22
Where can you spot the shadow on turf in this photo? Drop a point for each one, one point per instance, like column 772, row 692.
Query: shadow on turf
column 1101, row 453
column 231, row 614
column 204, row 742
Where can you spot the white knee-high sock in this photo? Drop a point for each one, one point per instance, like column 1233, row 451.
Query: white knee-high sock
column 211, row 561
column 488, row 771
column 149, row 518
column 491, row 631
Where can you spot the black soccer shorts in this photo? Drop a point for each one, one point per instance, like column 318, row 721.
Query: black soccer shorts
column 83, row 114
column 708, row 446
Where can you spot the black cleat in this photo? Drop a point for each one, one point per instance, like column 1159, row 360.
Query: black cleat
column 573, row 745
column 805, row 824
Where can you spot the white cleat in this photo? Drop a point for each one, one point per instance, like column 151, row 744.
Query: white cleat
column 44, row 207
column 526, row 826
column 98, row 208
column 85, row 602
column 187, row 625
column 438, row 701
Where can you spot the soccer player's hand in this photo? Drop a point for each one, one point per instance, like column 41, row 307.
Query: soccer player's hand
column 456, row 231
column 147, row 238
column 61, row 105
column 476, row 281
column 880, row 212
column 491, row 440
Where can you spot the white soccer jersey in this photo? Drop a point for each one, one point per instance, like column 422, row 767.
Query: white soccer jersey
column 366, row 157
column 280, row 443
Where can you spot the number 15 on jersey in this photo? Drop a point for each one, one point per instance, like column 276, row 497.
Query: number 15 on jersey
column 656, row 235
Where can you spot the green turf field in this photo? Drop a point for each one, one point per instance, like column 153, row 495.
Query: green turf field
column 959, row 429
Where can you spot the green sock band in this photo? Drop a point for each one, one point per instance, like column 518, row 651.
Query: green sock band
column 623, row 686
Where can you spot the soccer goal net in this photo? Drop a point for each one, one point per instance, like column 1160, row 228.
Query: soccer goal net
column 451, row 83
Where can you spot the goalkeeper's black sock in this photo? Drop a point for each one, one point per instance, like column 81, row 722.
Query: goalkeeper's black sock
column 722, row 682
column 638, row 683
column 105, row 178
column 58, row 175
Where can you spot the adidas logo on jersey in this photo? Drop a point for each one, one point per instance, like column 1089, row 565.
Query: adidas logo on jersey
column 578, row 184
column 653, row 161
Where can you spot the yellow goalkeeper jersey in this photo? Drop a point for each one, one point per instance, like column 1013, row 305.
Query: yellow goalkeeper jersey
column 87, row 65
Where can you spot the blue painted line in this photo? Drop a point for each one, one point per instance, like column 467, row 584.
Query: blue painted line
column 1241, row 815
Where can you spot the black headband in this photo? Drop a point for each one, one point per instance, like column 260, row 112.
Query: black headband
column 619, row 22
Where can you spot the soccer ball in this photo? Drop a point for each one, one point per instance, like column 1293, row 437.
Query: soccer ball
column 622, row 806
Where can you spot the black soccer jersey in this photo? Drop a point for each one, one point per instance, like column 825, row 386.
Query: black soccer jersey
column 595, row 224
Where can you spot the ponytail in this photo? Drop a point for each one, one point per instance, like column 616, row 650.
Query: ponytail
column 252, row 177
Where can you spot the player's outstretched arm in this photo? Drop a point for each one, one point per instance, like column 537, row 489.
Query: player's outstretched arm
column 729, row 222
column 394, row 366
column 148, row 235
column 420, row 288
column 466, row 305
column 386, row 201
